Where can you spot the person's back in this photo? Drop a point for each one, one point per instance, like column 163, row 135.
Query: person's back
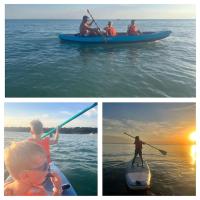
column 36, row 129
column 138, row 149
column 138, row 145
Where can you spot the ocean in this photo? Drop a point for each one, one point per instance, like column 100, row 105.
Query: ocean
column 172, row 175
column 76, row 156
column 39, row 65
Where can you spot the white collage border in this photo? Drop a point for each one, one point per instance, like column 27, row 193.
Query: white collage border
column 99, row 100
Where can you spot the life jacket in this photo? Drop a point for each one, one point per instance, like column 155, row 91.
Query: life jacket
column 132, row 30
column 34, row 191
column 111, row 31
column 45, row 144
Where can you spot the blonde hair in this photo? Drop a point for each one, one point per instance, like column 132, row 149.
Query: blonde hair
column 36, row 126
column 19, row 156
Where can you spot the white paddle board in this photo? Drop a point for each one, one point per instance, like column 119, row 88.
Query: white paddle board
column 138, row 177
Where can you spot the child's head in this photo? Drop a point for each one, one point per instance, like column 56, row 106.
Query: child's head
column 26, row 162
column 36, row 127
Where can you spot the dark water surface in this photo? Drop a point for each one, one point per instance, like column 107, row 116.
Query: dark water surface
column 173, row 174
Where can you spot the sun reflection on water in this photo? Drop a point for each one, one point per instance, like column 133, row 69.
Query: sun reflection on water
column 193, row 154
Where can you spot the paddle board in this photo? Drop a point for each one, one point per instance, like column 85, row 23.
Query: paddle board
column 138, row 177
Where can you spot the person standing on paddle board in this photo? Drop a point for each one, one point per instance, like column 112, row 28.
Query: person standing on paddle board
column 138, row 149
column 36, row 129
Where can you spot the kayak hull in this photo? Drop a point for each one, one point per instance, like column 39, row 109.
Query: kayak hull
column 120, row 38
column 138, row 177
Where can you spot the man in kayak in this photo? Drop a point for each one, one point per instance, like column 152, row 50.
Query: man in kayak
column 138, row 149
column 85, row 27
column 110, row 30
column 36, row 129
column 27, row 164
column 132, row 29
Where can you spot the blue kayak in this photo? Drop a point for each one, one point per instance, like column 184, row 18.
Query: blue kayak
column 120, row 38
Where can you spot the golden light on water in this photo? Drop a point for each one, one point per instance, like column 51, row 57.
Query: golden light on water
column 193, row 137
column 193, row 153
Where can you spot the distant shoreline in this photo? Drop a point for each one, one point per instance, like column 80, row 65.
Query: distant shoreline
column 75, row 130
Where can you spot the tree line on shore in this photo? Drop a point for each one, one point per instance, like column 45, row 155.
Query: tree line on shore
column 74, row 130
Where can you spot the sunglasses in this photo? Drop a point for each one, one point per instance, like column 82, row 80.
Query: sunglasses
column 43, row 168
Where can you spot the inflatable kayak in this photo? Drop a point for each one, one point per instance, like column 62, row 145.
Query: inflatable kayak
column 68, row 189
column 138, row 177
column 120, row 38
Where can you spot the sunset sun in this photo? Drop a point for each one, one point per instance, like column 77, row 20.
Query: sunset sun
column 192, row 136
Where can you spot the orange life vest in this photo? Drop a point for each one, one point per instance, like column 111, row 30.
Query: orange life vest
column 111, row 31
column 34, row 191
column 132, row 29
column 45, row 144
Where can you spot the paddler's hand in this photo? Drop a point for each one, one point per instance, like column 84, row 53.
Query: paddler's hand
column 56, row 181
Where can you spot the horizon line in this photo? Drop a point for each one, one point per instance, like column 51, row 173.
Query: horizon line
column 99, row 19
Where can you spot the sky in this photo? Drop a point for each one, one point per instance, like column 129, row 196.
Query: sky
column 51, row 114
column 156, row 123
column 101, row 11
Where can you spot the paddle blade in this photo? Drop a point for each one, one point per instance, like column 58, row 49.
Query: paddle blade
column 163, row 152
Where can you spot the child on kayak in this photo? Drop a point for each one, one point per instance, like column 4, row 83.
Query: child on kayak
column 132, row 29
column 36, row 129
column 138, row 149
column 110, row 30
column 27, row 164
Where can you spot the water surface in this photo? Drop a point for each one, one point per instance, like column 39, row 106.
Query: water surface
column 39, row 65
column 173, row 174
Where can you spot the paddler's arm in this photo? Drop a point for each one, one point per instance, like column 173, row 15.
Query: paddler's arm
column 91, row 23
column 56, row 137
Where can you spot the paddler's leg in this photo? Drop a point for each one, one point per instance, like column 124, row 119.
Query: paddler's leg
column 134, row 157
column 140, row 154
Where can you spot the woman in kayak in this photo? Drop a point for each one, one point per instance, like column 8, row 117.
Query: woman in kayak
column 132, row 29
column 36, row 129
column 110, row 30
column 85, row 27
column 27, row 164
column 138, row 149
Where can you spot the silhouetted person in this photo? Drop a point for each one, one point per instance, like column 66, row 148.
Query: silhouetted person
column 138, row 149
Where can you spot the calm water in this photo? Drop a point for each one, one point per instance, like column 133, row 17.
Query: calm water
column 76, row 155
column 174, row 174
column 38, row 65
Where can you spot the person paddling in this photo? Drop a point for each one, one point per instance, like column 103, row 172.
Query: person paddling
column 110, row 30
column 138, row 149
column 85, row 27
column 132, row 29
column 36, row 129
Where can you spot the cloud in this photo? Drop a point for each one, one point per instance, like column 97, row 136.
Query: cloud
column 91, row 112
column 65, row 112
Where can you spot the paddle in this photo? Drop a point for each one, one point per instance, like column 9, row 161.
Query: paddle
column 93, row 20
column 69, row 120
column 161, row 151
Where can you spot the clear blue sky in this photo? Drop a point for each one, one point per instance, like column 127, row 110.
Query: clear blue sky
column 101, row 11
column 155, row 122
column 51, row 114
